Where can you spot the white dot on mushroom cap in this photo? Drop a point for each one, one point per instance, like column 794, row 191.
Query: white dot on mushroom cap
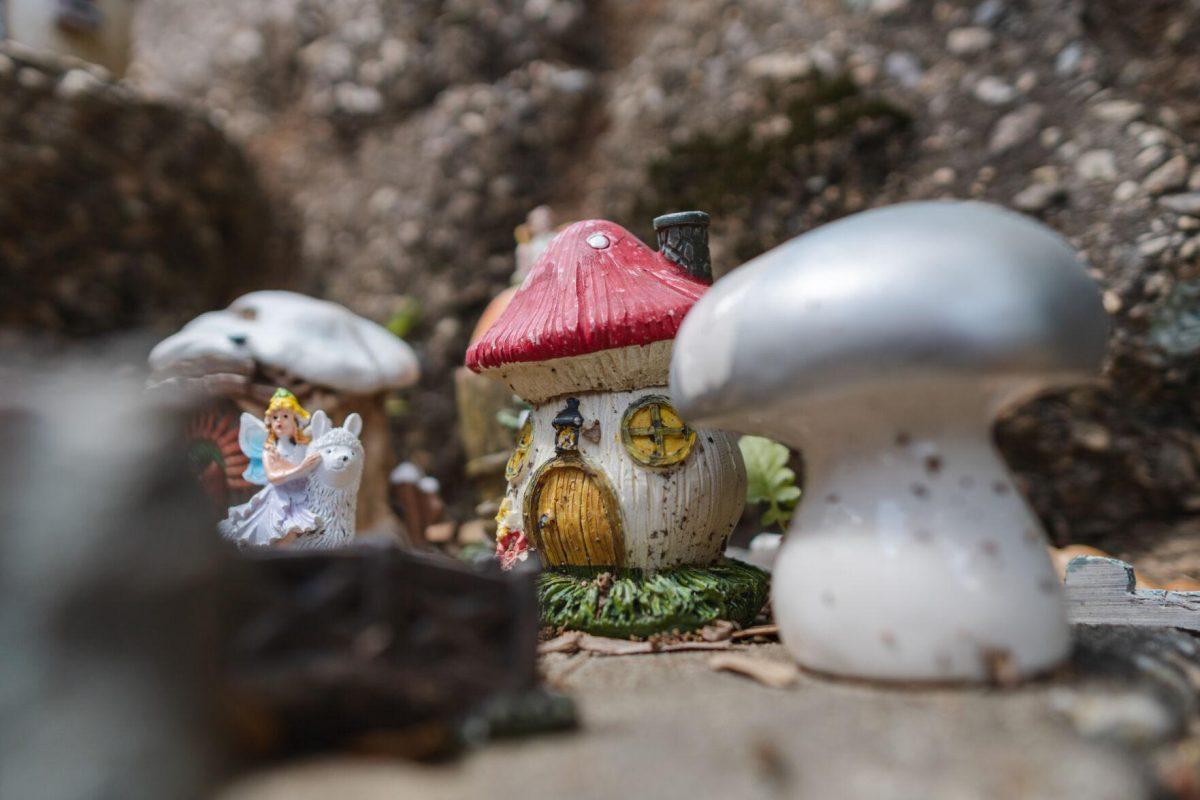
column 598, row 241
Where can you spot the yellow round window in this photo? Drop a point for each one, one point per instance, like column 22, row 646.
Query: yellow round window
column 517, row 460
column 653, row 433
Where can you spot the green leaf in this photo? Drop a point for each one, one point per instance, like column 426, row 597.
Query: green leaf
column 406, row 316
column 769, row 481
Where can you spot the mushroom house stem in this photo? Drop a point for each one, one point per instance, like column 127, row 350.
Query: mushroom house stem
column 913, row 555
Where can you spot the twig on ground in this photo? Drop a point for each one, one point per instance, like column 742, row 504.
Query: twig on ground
column 776, row 674
column 757, row 630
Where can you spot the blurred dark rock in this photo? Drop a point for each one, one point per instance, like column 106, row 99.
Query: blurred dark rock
column 385, row 650
column 116, row 211
column 109, row 569
column 413, row 136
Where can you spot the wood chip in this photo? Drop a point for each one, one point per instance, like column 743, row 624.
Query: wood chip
column 566, row 643
column 718, row 631
column 440, row 533
column 758, row 630
column 776, row 674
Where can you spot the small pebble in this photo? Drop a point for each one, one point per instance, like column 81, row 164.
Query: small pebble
column 969, row 41
column 1050, row 137
column 1122, row 111
column 75, row 83
column 1151, row 157
column 1171, row 175
column 1136, row 717
column 1068, row 59
column 1015, row 128
column 1155, row 246
column 1188, row 203
column 1038, row 197
column 1097, row 165
column 993, row 91
column 1126, row 191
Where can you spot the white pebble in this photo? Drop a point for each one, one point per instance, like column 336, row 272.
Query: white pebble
column 1097, row 165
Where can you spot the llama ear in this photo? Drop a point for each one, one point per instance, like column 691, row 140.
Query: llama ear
column 319, row 425
column 353, row 424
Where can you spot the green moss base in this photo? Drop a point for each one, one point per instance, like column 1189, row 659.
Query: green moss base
column 625, row 603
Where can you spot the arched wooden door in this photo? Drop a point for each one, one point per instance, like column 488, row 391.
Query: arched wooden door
column 573, row 516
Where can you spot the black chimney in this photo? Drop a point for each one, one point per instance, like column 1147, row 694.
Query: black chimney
column 683, row 238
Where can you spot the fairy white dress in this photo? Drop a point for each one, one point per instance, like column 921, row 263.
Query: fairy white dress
column 278, row 509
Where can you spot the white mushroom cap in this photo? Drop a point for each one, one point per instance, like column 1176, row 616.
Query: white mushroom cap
column 317, row 341
column 894, row 295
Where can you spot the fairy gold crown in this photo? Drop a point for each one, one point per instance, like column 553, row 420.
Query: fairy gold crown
column 283, row 399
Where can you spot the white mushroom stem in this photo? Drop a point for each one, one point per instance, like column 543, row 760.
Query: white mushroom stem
column 913, row 556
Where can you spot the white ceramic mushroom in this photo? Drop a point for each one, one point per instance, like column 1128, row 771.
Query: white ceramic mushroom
column 883, row 346
column 319, row 342
column 99, row 31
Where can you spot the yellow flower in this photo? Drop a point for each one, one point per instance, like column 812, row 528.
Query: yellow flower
column 501, row 518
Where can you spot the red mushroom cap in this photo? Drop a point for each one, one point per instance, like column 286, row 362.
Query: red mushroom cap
column 596, row 287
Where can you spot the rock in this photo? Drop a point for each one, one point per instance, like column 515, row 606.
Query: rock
column 1171, row 175
column 148, row 223
column 1015, row 128
column 969, row 41
column 904, row 68
column 1154, row 246
column 1126, row 717
column 780, row 65
column 106, row 624
column 988, row 12
column 1038, row 197
column 1097, row 165
column 1188, row 203
column 1068, row 59
column 1151, row 157
column 1120, row 111
column 993, row 91
column 77, row 82
column 885, row 8
column 1126, row 191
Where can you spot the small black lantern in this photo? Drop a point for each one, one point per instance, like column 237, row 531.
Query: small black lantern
column 566, row 427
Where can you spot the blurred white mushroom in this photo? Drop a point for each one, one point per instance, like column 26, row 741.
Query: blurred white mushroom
column 99, row 31
column 319, row 342
column 883, row 346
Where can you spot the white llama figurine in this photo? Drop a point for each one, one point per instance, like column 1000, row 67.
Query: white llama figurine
column 333, row 485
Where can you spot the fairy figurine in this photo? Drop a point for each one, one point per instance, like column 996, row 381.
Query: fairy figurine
column 277, row 447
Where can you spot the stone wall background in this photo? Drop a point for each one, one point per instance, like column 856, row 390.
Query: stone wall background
column 402, row 141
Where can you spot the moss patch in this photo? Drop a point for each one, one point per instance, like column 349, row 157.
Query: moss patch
column 754, row 182
column 624, row 603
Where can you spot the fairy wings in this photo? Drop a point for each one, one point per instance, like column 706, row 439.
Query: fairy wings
column 252, row 437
